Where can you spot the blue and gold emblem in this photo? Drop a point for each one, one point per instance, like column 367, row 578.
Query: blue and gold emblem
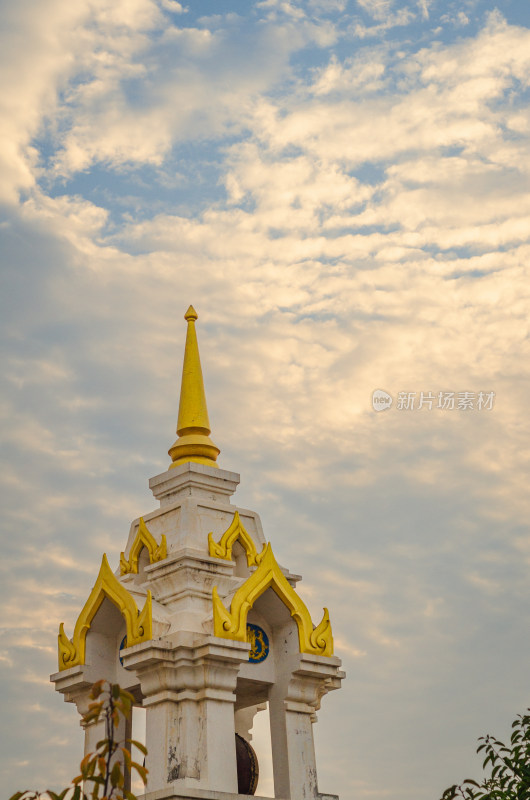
column 259, row 643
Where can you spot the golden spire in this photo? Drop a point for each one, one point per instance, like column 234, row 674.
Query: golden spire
column 193, row 426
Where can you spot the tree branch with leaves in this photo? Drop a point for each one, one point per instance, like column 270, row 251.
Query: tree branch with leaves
column 102, row 773
column 508, row 767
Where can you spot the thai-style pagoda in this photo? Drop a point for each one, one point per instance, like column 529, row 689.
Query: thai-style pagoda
column 203, row 626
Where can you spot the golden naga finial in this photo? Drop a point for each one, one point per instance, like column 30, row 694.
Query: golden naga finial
column 193, row 426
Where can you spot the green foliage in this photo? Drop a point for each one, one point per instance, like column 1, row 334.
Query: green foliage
column 102, row 775
column 508, row 768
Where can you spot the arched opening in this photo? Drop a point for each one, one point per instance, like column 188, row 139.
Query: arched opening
column 240, row 557
column 273, row 635
column 105, row 639
column 143, row 562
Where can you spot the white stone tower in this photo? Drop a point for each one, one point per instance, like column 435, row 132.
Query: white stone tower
column 203, row 626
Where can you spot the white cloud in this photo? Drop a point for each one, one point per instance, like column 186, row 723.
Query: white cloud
column 379, row 9
column 374, row 233
column 173, row 6
column 66, row 41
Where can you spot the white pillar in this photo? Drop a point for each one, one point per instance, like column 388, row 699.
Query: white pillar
column 294, row 699
column 189, row 696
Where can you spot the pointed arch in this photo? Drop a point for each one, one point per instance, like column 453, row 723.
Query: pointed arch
column 233, row 624
column 143, row 538
column 139, row 624
column 235, row 531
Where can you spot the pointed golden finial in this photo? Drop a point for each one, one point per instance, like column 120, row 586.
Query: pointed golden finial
column 193, row 426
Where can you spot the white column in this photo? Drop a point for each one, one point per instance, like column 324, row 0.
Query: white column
column 294, row 699
column 189, row 696
column 279, row 744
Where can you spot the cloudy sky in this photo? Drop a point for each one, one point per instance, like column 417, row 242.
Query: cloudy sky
column 341, row 188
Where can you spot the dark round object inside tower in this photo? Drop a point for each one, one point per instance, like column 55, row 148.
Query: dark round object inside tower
column 247, row 767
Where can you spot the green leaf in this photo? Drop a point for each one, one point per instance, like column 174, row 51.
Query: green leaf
column 142, row 772
column 124, row 707
column 97, row 688
column 92, row 715
column 126, row 757
column 102, row 743
column 115, row 774
column 141, row 747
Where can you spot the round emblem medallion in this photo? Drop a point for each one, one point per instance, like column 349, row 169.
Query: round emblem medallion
column 259, row 643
